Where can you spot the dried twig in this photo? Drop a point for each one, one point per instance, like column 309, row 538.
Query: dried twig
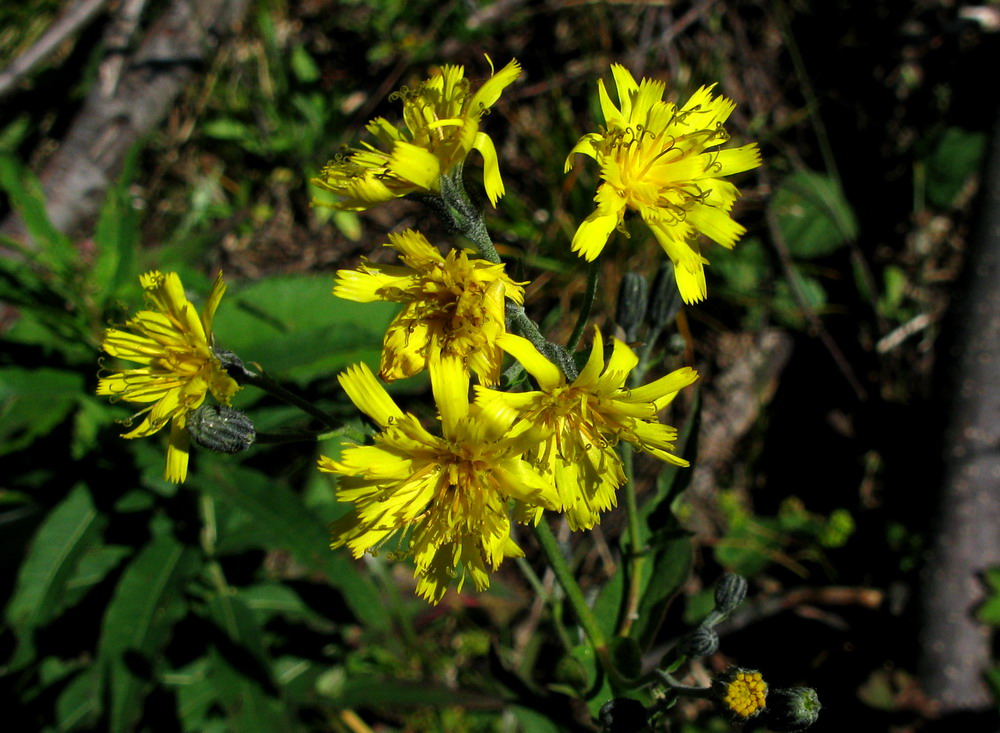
column 77, row 177
column 75, row 17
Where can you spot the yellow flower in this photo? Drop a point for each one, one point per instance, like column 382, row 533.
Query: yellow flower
column 585, row 419
column 655, row 160
column 174, row 345
column 453, row 305
column 447, row 495
column 743, row 692
column 442, row 126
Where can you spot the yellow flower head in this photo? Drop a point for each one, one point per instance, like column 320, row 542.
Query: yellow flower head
column 743, row 693
column 174, row 345
column 585, row 419
column 447, row 495
column 442, row 127
column 453, row 305
column 655, row 159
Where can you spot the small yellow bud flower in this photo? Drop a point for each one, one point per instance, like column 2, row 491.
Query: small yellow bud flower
column 744, row 693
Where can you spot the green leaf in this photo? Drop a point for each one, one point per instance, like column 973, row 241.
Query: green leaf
column 813, row 215
column 60, row 543
column 33, row 402
column 531, row 721
column 241, row 670
column 295, row 327
column 303, row 66
column 609, row 603
column 283, row 521
column 787, row 308
column 79, row 703
column 957, row 157
column 94, row 567
column 196, row 697
column 267, row 600
column 669, row 553
column 139, row 621
column 116, row 239
column 53, row 249
column 227, row 128
column 989, row 612
column 746, row 268
column 673, row 556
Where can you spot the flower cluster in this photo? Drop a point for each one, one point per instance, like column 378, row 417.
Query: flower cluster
column 447, row 499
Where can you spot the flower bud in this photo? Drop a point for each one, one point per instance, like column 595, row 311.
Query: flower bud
column 729, row 593
column 741, row 693
column 792, row 709
column 221, row 429
column 623, row 715
column 633, row 297
column 702, row 642
column 665, row 300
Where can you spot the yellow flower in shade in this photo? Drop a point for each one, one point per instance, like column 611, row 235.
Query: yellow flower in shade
column 447, row 496
column 453, row 305
column 174, row 345
column 585, row 419
column 743, row 692
column 442, row 127
column 655, row 159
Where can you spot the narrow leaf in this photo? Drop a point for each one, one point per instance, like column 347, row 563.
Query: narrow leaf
column 63, row 538
column 284, row 521
column 139, row 622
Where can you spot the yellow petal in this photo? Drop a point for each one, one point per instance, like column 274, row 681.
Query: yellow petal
column 212, row 303
column 544, row 371
column 736, row 160
column 586, row 145
column 416, row 165
column 664, row 388
column 450, row 385
column 491, row 167
column 591, row 371
column 368, row 395
column 177, row 454
column 487, row 95
column 592, row 234
column 716, row 224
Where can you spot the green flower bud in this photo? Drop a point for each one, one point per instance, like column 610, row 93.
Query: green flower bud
column 623, row 715
column 232, row 364
column 221, row 429
column 729, row 593
column 665, row 301
column 792, row 709
column 702, row 642
column 633, row 298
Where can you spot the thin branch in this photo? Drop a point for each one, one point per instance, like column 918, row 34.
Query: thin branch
column 74, row 18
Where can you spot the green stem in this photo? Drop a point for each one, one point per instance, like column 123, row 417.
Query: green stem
column 593, row 276
column 458, row 211
column 300, row 436
column 636, row 552
column 557, row 561
column 264, row 382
